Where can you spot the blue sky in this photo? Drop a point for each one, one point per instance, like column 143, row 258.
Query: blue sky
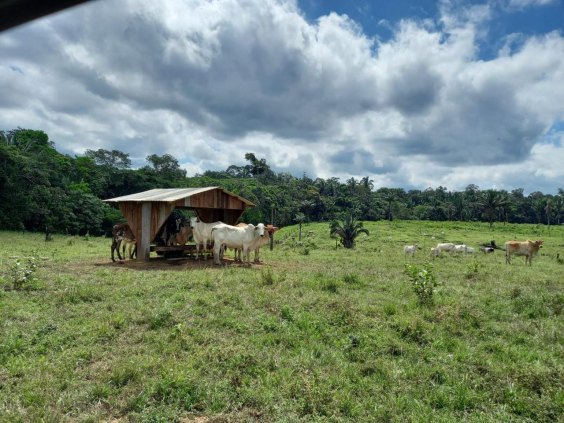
column 376, row 17
column 413, row 94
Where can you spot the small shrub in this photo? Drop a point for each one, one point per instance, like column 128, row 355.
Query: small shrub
column 472, row 269
column 22, row 274
column 423, row 281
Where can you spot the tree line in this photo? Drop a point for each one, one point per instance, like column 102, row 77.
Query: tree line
column 44, row 190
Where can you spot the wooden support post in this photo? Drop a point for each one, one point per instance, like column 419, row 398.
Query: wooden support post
column 144, row 245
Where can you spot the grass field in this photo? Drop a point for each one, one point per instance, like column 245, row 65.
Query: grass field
column 314, row 334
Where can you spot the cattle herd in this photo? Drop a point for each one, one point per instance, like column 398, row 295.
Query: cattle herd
column 245, row 238
column 520, row 248
column 218, row 236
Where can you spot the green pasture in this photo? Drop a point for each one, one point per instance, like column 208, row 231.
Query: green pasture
column 316, row 333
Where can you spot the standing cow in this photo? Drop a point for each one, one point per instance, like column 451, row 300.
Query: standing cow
column 202, row 233
column 522, row 248
column 236, row 237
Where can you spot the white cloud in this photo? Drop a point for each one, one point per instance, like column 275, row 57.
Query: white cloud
column 209, row 81
column 522, row 4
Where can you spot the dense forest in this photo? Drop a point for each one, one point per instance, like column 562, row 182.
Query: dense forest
column 42, row 189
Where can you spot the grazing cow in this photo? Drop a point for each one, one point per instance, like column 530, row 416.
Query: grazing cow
column 410, row 249
column 202, row 233
column 435, row 252
column 470, row 250
column 460, row 248
column 447, row 246
column 122, row 236
column 487, row 250
column 522, row 248
column 236, row 237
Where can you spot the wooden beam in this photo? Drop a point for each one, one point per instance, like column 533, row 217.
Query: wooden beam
column 144, row 244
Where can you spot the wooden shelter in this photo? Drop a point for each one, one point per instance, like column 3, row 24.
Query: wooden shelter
column 147, row 211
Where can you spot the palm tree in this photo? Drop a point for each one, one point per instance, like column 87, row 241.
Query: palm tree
column 558, row 207
column 548, row 211
column 300, row 218
column 347, row 230
column 490, row 204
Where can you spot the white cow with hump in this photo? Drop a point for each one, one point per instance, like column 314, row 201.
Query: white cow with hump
column 202, row 233
column 246, row 239
column 445, row 246
column 268, row 232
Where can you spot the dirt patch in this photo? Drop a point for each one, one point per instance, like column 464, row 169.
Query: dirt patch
column 172, row 264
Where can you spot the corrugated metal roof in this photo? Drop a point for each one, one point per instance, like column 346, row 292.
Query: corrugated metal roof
column 170, row 195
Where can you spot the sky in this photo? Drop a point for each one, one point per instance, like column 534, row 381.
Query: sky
column 411, row 93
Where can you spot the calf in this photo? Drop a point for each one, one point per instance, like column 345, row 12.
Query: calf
column 122, row 234
column 522, row 248
column 410, row 249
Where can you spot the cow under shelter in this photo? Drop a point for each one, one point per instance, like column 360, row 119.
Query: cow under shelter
column 146, row 212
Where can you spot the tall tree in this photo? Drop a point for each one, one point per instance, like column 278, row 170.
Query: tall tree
column 165, row 166
column 113, row 159
column 490, row 204
column 548, row 210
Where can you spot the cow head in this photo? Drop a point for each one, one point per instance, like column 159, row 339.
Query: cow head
column 193, row 221
column 259, row 230
column 538, row 243
column 271, row 229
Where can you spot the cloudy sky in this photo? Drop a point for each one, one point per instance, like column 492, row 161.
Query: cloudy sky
column 412, row 93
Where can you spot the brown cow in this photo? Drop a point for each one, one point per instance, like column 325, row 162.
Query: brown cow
column 522, row 248
column 122, row 234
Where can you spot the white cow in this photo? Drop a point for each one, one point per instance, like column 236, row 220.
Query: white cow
column 236, row 237
column 447, row 246
column 470, row 250
column 202, row 233
column 435, row 252
column 410, row 249
column 260, row 242
column 460, row 248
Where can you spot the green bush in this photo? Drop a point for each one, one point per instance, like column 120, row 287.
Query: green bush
column 423, row 281
column 22, row 273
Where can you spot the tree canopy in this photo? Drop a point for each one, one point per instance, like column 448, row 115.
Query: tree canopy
column 41, row 189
